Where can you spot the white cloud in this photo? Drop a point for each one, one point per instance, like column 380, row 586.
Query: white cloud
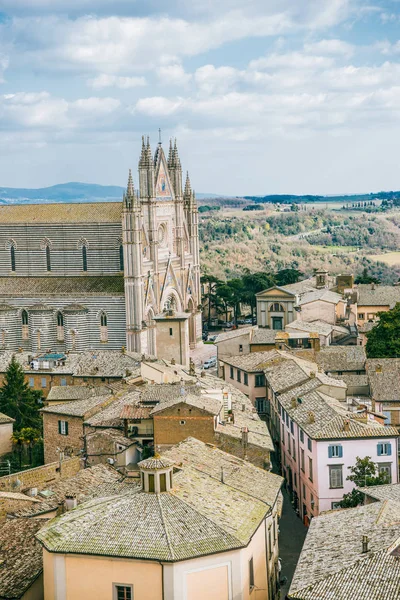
column 173, row 74
column 124, row 83
column 4, row 63
column 158, row 106
column 41, row 111
column 291, row 60
column 330, row 47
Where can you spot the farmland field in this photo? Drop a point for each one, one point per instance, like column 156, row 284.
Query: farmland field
column 390, row 258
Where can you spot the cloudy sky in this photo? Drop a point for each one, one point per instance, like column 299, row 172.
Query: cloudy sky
column 264, row 96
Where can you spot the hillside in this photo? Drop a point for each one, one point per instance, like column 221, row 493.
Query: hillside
column 67, row 192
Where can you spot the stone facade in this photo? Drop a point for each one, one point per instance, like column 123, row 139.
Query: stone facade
column 94, row 276
column 177, row 423
column 40, row 476
column 56, row 442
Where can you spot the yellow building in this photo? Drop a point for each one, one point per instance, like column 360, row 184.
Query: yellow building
column 189, row 530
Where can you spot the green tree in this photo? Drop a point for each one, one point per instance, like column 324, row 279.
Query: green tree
column 363, row 474
column 287, row 276
column 210, row 297
column 26, row 437
column 17, row 400
column 231, row 294
column 383, row 341
column 254, row 283
column 366, row 278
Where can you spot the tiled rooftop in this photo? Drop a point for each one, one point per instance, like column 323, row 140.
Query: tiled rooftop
column 202, row 401
column 391, row 491
column 321, row 327
column 323, row 417
column 111, row 415
column 228, row 335
column 378, row 295
column 322, row 295
column 82, row 212
column 263, row 336
column 332, row 565
column 76, row 408
column 75, row 392
column 384, row 378
column 20, row 556
column 237, row 473
column 342, row 358
column 253, row 362
column 93, row 482
column 199, row 516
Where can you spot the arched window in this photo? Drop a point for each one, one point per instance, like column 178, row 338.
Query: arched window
column 60, row 327
column 103, row 327
column 121, row 258
column 48, row 258
column 25, row 325
column 276, row 307
column 12, row 256
column 84, row 258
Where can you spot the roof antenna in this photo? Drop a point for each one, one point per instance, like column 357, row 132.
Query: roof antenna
column 159, row 136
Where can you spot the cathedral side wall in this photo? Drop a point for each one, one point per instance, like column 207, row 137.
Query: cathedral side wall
column 65, row 242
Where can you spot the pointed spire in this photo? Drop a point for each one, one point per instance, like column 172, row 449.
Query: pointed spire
column 130, row 192
column 188, row 187
column 170, row 155
column 142, row 160
column 176, row 156
column 148, row 151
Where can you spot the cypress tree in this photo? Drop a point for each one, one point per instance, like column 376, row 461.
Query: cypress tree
column 17, row 400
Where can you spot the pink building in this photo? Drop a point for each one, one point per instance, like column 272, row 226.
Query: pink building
column 320, row 440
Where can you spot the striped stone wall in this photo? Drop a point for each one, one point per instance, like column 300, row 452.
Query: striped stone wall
column 85, row 323
column 65, row 242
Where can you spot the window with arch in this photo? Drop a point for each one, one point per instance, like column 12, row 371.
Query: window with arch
column 48, row 258
column 276, row 307
column 12, row 258
column 60, row 327
column 103, row 327
column 25, row 325
column 84, row 258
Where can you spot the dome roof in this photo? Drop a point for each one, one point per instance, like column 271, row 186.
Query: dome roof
column 155, row 463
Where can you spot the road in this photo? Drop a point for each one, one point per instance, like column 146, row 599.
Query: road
column 292, row 534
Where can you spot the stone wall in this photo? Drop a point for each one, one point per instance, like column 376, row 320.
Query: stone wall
column 176, row 426
column 41, row 476
column 259, row 457
column 73, row 442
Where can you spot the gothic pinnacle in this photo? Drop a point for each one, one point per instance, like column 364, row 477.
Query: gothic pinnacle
column 170, row 155
column 176, row 156
column 188, row 187
column 130, row 192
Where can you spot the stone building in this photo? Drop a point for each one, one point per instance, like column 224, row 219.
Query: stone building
column 75, row 277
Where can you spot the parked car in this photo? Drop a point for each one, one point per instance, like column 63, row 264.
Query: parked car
column 240, row 321
column 212, row 338
column 248, row 321
column 205, row 336
column 210, row 363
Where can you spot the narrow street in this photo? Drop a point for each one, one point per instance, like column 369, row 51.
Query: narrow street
column 292, row 534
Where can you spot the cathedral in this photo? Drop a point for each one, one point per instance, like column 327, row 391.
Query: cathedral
column 108, row 275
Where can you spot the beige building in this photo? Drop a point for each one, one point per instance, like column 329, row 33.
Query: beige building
column 6, row 431
column 189, row 530
column 372, row 299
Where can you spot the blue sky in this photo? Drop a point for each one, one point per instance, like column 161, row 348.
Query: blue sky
column 264, row 96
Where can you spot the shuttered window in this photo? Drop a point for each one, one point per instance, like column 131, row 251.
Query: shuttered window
column 63, row 427
column 335, row 451
column 335, row 476
column 384, row 449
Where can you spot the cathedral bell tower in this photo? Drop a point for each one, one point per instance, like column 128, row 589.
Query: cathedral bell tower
column 132, row 224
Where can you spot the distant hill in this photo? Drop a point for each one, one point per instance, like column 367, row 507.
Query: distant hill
column 290, row 198
column 67, row 192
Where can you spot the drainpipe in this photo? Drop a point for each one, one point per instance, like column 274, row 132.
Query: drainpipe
column 298, row 474
column 267, row 558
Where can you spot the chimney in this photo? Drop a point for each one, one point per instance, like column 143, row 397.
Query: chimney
column 293, row 402
column 365, row 541
column 311, row 417
column 70, row 502
column 346, row 425
column 378, row 369
column 372, row 286
column 243, row 407
column 222, row 474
